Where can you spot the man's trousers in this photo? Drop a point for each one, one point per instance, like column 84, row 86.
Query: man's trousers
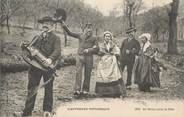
column 84, row 65
column 34, row 77
column 129, row 65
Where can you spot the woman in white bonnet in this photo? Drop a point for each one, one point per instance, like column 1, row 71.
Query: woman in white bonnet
column 109, row 78
column 147, row 69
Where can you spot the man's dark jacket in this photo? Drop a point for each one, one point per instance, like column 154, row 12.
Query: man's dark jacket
column 50, row 46
column 133, row 46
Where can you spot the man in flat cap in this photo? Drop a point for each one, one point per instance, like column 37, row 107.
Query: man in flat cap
column 49, row 45
column 87, row 47
column 129, row 49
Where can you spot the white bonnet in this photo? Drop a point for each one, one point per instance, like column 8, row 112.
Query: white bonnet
column 147, row 35
column 108, row 32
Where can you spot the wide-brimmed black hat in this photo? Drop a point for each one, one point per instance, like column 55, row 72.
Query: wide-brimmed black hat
column 46, row 19
column 131, row 30
column 60, row 13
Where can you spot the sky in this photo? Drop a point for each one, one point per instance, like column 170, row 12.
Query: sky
column 105, row 6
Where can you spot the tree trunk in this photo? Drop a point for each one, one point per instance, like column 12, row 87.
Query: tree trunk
column 1, row 46
column 35, row 23
column 7, row 24
column 23, row 27
column 25, row 20
column 15, row 65
column 130, row 15
column 172, row 41
column 156, row 35
column 1, row 25
column 66, row 39
column 96, row 31
column 7, row 15
column 163, row 36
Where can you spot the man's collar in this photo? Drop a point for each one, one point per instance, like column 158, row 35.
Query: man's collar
column 130, row 38
column 46, row 35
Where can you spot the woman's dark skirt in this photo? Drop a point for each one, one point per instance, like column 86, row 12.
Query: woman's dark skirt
column 110, row 89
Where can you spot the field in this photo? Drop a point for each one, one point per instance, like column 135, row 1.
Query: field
column 13, row 85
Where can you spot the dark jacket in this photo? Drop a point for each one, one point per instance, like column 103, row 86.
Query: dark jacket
column 49, row 46
column 133, row 46
column 89, row 43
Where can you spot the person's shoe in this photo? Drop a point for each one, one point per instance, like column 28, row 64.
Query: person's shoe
column 76, row 93
column 20, row 114
column 128, row 87
column 17, row 114
column 147, row 90
column 84, row 92
column 46, row 114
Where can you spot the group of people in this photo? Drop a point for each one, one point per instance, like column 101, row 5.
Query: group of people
column 139, row 59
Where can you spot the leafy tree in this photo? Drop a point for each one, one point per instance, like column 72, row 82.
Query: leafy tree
column 8, row 9
column 156, row 22
column 131, row 9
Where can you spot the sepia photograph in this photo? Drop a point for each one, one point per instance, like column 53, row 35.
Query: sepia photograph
column 91, row 58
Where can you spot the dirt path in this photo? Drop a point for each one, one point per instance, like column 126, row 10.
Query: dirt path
column 13, row 89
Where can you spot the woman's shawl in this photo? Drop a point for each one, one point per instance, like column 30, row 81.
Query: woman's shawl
column 110, row 48
column 107, row 68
